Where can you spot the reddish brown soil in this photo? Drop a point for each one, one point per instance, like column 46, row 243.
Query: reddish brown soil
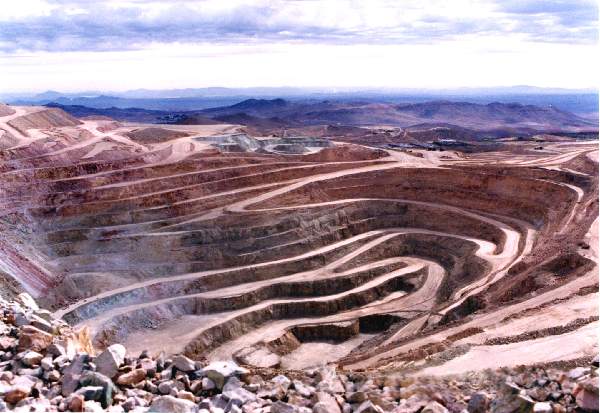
column 181, row 247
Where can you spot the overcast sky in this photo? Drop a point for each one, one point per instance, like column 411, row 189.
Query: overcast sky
column 118, row 45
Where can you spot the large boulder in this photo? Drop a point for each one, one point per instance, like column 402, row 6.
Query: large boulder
column 28, row 301
column 325, row 403
column 133, row 377
column 478, row 403
column 72, row 373
column 183, row 363
column 220, row 371
column 31, row 358
column 95, row 379
column 587, row 395
column 329, row 381
column 281, row 407
column 16, row 393
column 109, row 361
column 170, row 404
column 34, row 339
column 235, row 393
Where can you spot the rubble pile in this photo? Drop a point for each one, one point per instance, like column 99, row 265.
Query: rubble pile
column 46, row 366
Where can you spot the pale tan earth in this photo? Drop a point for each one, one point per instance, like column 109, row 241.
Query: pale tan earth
column 316, row 354
column 423, row 261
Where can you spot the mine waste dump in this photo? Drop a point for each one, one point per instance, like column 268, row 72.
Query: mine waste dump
column 179, row 261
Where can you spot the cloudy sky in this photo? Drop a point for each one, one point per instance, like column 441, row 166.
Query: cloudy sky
column 117, row 45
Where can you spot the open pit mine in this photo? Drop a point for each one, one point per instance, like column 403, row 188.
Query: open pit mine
column 203, row 243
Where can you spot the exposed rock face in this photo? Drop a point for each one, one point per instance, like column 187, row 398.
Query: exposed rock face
column 147, row 243
column 44, row 118
column 374, row 260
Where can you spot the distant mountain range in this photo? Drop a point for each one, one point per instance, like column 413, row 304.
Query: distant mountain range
column 266, row 115
column 581, row 101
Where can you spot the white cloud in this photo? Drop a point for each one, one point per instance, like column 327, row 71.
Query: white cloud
column 76, row 45
column 450, row 64
column 25, row 8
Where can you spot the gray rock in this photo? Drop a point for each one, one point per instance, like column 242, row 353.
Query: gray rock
column 72, row 373
column 357, row 397
column 281, row 407
column 47, row 363
column 109, row 361
column 91, row 378
column 434, row 407
column 45, row 314
column 170, row 404
column 166, row 386
column 35, row 372
column 234, row 392
column 183, row 363
column 31, row 358
column 220, row 371
column 512, row 403
column 149, row 365
column 234, row 409
column 151, row 387
column 61, row 361
column 479, row 403
column 28, row 301
column 52, row 375
column 91, row 392
column 329, row 381
column 115, row 409
column 40, row 323
column 205, row 403
column 56, row 350
column 129, row 404
column 208, row 384
column 282, row 381
column 325, row 403
column 587, row 395
column 578, row 372
column 542, row 407
column 92, row 406
column 368, row 407
column 258, row 356
column 166, row 374
column 21, row 319
column 303, row 390
column 35, row 405
column 270, row 391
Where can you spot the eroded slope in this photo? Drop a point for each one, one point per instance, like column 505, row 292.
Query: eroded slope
column 368, row 258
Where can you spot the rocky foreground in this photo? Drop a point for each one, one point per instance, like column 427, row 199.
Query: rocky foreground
column 46, row 366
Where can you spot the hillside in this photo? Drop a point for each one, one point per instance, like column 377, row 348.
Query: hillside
column 480, row 117
column 285, row 254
